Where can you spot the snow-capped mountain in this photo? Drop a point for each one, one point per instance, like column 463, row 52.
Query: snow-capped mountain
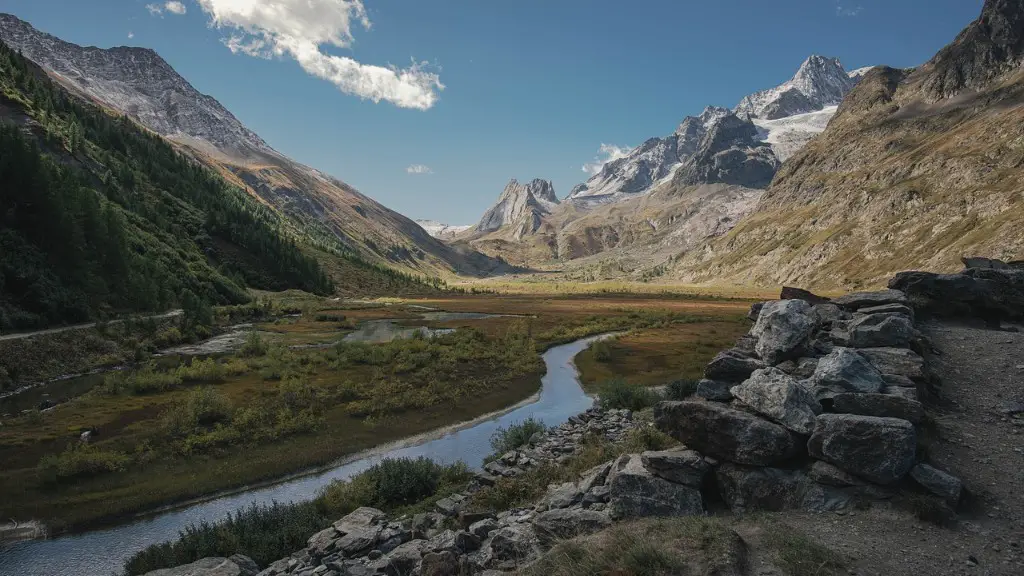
column 788, row 135
column 520, row 206
column 440, row 230
column 820, row 82
column 860, row 72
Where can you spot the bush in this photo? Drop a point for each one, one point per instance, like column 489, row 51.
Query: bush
column 516, row 435
column 602, row 350
column 139, row 382
column 168, row 337
column 391, row 483
column 79, row 461
column 617, row 393
column 209, row 371
column 681, row 389
column 203, row 407
column 254, row 346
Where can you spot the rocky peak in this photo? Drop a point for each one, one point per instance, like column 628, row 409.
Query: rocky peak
column 521, row 206
column 731, row 152
column 819, row 82
column 989, row 47
column 137, row 82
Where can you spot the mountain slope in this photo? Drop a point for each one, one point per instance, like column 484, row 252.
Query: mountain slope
column 99, row 216
column 916, row 169
column 139, row 83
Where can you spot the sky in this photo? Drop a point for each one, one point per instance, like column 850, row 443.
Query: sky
column 431, row 106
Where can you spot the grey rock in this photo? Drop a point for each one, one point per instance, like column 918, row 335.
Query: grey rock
column 467, row 519
column 845, row 370
column 564, row 524
column 801, row 368
column 213, row 566
column 882, row 405
column 467, row 541
column 775, row 394
column 401, row 561
column 596, row 495
column 512, row 546
column 826, row 314
column 445, row 540
column 360, row 530
column 731, row 366
column 889, row 309
column 484, row 527
column 782, row 330
column 902, row 392
column 564, row 495
column 880, row 450
column 859, row 300
column 748, row 488
column 636, row 493
column 680, row 466
column 755, row 311
column 444, row 563
column 825, row 473
column 722, row 432
column 450, row 506
column 594, row 477
column 875, row 330
column 323, row 542
column 714, row 390
column 245, row 564
column 895, row 361
column 937, row 482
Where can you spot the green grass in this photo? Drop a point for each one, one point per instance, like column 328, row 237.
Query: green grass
column 617, row 393
column 515, row 435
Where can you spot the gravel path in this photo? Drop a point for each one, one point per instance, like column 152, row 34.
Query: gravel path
column 982, row 375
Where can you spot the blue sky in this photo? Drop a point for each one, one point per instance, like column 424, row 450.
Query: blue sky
column 532, row 88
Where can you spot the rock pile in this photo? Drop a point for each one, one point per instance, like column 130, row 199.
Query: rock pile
column 815, row 408
column 988, row 289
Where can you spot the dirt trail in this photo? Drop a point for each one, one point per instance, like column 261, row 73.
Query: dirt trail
column 979, row 441
column 85, row 326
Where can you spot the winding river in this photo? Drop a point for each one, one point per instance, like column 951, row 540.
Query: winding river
column 102, row 552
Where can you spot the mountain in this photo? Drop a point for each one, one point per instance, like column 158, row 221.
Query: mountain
column 916, row 169
column 139, row 83
column 440, row 230
column 820, row 82
column 520, row 208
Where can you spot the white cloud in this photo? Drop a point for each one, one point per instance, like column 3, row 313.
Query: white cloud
column 419, row 169
column 605, row 154
column 847, row 10
column 131, row 35
column 155, row 9
column 298, row 29
column 175, row 7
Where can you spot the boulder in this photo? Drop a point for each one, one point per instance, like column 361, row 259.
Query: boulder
column 859, row 300
column 985, row 293
column 680, row 466
column 782, row 330
column 801, row 368
column 714, row 390
column 564, row 495
column 444, row 563
column 882, row 405
column 904, row 392
column 444, row 540
column 213, row 566
column 731, row 366
column 400, row 561
column 829, row 475
column 484, row 527
column 775, row 394
column 790, row 293
column 845, row 370
column 634, row 492
column 359, row 531
column 895, row 361
column 874, row 330
column 467, row 542
column 748, row 488
column 982, row 262
column 755, row 311
column 563, row 524
column 511, row 547
column 323, row 542
column 880, row 450
column 717, row 430
column 826, row 314
column 594, row 477
column 937, row 482
column 889, row 309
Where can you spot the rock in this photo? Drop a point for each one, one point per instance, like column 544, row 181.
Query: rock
column 722, row 432
column 467, row 519
column 512, row 546
column 246, row 564
column 937, row 482
column 748, row 488
column 829, row 475
column 782, row 330
column 444, row 563
column 634, row 492
column 445, row 540
column 889, row 309
column 845, row 370
column 775, row 394
column 467, row 541
column 596, row 495
column 564, row 495
column 826, row 314
column 985, row 293
column 594, row 477
column 859, row 300
column 323, row 542
column 874, row 330
column 982, row 262
column 880, row 450
column 213, row 566
column 902, row 392
column 485, row 478
column 484, row 527
column 680, row 466
column 882, row 405
column 789, row 293
column 450, row 506
column 801, row 368
column 895, row 361
column 564, row 524
column 401, row 561
column 755, row 311
column 714, row 390
column 359, row 530
column 731, row 366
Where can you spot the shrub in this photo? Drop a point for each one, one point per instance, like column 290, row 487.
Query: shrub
column 516, row 435
column 168, row 337
column 202, row 407
column 681, row 389
column 208, row 370
column 391, row 483
column 254, row 346
column 602, row 350
column 79, row 461
column 647, row 437
column 139, row 382
column 617, row 393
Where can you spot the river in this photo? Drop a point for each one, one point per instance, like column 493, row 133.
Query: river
column 102, row 552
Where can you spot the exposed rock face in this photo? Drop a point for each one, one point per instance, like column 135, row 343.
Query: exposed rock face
column 722, row 432
column 235, row 566
column 895, row 361
column 880, row 450
column 637, row 493
column 875, row 330
column 747, row 488
column 731, row 153
column 989, row 293
column 732, row 366
column 520, row 206
column 820, row 82
column 881, row 405
column 686, row 467
column 775, row 394
column 782, row 329
column 844, row 370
